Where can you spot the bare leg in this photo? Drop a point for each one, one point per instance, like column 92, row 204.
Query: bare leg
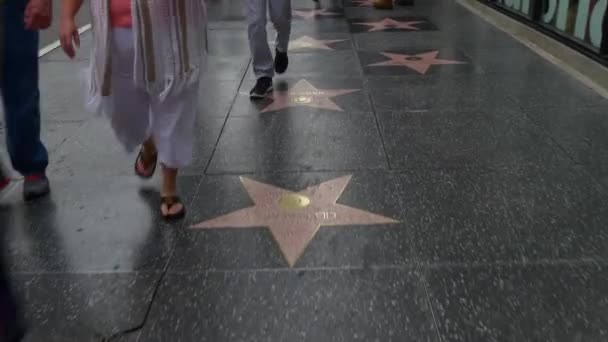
column 173, row 131
column 169, row 189
column 149, row 148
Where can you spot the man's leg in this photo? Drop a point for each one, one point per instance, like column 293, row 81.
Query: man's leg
column 4, row 180
column 11, row 328
column 280, row 15
column 19, row 86
column 260, row 50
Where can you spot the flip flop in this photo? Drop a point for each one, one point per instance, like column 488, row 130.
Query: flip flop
column 152, row 164
column 170, row 201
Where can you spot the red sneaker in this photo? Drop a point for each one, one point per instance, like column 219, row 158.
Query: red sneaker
column 35, row 186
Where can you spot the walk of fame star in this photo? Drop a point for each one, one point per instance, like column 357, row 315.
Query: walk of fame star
column 388, row 23
column 306, row 42
column 294, row 218
column 311, row 14
column 420, row 62
column 305, row 94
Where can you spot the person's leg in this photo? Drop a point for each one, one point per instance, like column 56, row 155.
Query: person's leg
column 11, row 325
column 19, row 86
column 4, row 180
column 260, row 50
column 130, row 112
column 173, row 133
column 280, row 15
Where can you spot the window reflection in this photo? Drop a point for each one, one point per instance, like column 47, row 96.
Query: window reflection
column 576, row 19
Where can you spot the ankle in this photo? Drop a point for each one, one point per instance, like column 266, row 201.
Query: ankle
column 149, row 147
column 169, row 187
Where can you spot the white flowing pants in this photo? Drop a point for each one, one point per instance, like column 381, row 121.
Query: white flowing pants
column 136, row 116
column 280, row 16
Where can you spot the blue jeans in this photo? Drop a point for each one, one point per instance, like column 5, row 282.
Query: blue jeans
column 19, row 88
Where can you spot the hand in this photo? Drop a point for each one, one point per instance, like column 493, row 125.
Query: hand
column 69, row 37
column 38, row 14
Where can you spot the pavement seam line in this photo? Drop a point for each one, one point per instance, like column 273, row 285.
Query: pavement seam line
column 222, row 130
column 366, row 88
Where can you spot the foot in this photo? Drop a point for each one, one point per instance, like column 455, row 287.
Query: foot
column 172, row 208
column 383, row 4
column 262, row 88
column 35, row 186
column 281, row 61
column 146, row 161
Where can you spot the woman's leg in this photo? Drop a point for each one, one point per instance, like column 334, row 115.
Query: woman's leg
column 130, row 112
column 173, row 132
column 174, row 206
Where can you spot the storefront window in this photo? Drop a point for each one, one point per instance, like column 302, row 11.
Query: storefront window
column 577, row 19
column 521, row 7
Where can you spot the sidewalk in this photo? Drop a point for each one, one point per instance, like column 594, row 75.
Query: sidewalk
column 459, row 180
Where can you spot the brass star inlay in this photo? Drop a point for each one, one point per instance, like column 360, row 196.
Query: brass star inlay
column 305, row 94
column 295, row 217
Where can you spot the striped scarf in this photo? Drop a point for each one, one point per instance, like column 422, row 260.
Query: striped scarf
column 170, row 39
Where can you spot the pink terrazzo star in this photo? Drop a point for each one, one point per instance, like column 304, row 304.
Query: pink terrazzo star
column 305, row 94
column 294, row 218
column 311, row 14
column 388, row 23
column 306, row 42
column 420, row 62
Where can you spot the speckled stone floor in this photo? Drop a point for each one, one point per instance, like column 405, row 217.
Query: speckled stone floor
column 419, row 176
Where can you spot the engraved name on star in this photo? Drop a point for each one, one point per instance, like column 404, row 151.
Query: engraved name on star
column 305, row 94
column 311, row 14
column 420, row 62
column 294, row 217
column 388, row 24
column 307, row 42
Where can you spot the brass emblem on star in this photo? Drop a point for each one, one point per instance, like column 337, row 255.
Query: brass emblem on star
column 295, row 217
column 294, row 201
column 302, row 99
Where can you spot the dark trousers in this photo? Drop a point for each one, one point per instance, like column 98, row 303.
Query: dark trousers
column 10, row 324
column 19, row 89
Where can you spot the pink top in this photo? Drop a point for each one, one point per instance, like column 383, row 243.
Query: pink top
column 120, row 13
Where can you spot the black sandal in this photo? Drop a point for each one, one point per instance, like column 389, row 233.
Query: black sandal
column 170, row 201
column 152, row 163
